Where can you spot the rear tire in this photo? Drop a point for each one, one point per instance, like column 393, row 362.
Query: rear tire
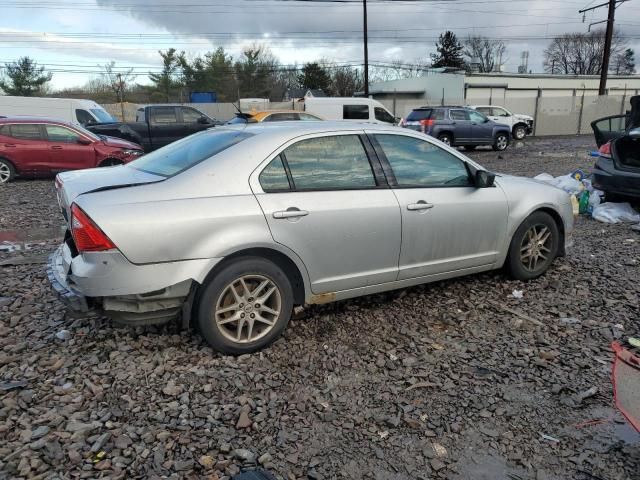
column 245, row 306
column 445, row 138
column 501, row 142
column 7, row 171
column 533, row 247
column 519, row 132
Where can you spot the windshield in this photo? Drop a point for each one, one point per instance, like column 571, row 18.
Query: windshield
column 184, row 154
column 418, row 115
column 102, row 115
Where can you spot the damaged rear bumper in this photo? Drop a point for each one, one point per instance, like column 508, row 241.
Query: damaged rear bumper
column 130, row 294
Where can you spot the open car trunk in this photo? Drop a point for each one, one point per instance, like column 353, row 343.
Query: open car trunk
column 625, row 151
column 609, row 128
column 626, row 381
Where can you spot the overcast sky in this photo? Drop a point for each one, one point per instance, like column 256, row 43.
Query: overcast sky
column 78, row 35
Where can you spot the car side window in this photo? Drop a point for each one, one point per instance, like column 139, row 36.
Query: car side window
column 500, row 112
column 329, row 163
column 190, row 115
column 163, row 115
column 56, row 133
column 83, row 116
column 306, row 117
column 274, row 177
column 458, row 115
column 437, row 115
column 383, row 116
column 485, row 110
column 26, row 131
column 477, row 117
column 281, row 117
column 418, row 163
column 355, row 112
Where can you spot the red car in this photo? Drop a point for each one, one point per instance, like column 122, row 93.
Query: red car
column 39, row 147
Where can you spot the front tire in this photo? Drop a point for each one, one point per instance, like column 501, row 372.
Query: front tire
column 519, row 132
column 7, row 171
column 533, row 247
column 501, row 142
column 245, row 306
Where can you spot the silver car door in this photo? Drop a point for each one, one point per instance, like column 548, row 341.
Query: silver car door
column 323, row 200
column 447, row 223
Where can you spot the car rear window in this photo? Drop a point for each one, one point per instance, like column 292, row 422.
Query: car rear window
column 184, row 154
column 417, row 115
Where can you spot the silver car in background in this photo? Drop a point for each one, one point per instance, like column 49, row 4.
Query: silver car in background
column 232, row 227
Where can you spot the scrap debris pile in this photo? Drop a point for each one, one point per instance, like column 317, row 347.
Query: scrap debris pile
column 589, row 201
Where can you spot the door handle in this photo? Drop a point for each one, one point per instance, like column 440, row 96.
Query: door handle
column 10, row 145
column 291, row 212
column 420, row 205
column 56, row 147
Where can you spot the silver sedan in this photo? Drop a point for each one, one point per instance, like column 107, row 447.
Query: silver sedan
column 230, row 228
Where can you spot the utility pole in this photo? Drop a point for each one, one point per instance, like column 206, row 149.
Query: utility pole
column 121, row 89
column 366, row 51
column 611, row 4
column 607, row 48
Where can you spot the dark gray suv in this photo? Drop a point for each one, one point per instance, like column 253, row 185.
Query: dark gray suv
column 459, row 126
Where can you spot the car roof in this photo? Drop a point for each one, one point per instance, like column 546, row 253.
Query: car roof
column 293, row 129
column 29, row 119
column 427, row 107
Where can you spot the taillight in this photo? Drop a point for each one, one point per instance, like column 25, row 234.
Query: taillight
column 427, row 123
column 605, row 150
column 86, row 234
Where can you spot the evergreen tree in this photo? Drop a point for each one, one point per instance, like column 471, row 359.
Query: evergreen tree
column 449, row 51
column 24, row 78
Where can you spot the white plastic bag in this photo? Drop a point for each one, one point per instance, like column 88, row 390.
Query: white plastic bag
column 544, row 177
column 610, row 212
column 568, row 184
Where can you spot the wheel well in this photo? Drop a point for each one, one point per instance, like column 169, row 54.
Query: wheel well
column 11, row 163
column 280, row 259
column 560, row 224
column 519, row 124
column 107, row 162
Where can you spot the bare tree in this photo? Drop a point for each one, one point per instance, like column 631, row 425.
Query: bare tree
column 580, row 53
column 397, row 70
column 345, row 81
column 624, row 63
column 118, row 81
column 484, row 52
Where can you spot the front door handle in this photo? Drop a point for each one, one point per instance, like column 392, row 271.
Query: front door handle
column 56, row 147
column 10, row 145
column 291, row 212
column 420, row 205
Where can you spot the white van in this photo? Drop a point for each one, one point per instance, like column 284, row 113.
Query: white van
column 349, row 108
column 82, row 112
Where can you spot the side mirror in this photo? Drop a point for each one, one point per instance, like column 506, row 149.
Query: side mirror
column 634, row 133
column 203, row 120
column 484, row 179
column 84, row 141
column 486, row 120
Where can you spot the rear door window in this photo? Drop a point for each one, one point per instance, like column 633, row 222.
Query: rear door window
column 355, row 112
column 329, row 163
column 458, row 115
column 26, row 131
column 160, row 115
column 190, row 115
column 274, row 177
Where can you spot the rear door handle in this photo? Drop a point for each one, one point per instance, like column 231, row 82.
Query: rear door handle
column 56, row 147
column 420, row 205
column 291, row 212
column 10, row 145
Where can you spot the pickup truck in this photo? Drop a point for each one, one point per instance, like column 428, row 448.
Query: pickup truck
column 157, row 125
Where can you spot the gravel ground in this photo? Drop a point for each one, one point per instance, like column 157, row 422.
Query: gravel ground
column 456, row 380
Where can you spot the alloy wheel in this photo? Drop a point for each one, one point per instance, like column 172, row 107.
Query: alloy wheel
column 502, row 142
column 445, row 139
column 248, row 308
column 5, row 173
column 535, row 249
column 520, row 133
